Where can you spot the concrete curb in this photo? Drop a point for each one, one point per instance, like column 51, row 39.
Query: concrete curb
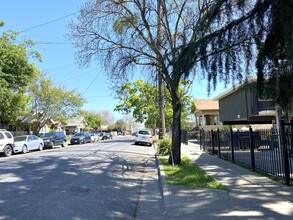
column 165, row 193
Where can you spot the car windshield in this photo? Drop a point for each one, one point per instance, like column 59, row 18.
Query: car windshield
column 48, row 135
column 20, row 138
column 79, row 134
column 144, row 132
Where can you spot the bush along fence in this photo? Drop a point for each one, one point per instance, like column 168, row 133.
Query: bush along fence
column 266, row 151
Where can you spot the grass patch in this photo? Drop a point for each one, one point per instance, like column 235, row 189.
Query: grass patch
column 189, row 174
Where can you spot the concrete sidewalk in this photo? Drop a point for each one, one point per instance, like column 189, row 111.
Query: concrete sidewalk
column 249, row 196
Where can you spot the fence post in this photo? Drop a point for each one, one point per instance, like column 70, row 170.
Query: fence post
column 200, row 139
column 203, row 140
column 285, row 152
column 219, row 142
column 212, row 141
column 251, row 145
column 291, row 146
column 232, row 144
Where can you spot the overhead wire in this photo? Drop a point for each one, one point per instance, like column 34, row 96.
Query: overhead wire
column 60, row 43
column 76, row 76
column 90, row 84
column 52, row 43
column 49, row 22
column 60, row 67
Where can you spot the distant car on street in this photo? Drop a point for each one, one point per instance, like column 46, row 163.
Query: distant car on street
column 94, row 137
column 26, row 143
column 81, row 138
column 107, row 136
column 144, row 137
column 52, row 139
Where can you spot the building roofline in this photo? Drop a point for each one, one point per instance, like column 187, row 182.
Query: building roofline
column 234, row 89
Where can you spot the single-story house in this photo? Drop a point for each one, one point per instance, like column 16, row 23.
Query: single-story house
column 74, row 125
column 207, row 114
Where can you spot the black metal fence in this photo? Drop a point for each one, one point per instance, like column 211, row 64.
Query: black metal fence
column 268, row 151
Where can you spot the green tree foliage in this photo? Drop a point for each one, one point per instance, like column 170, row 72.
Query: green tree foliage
column 93, row 119
column 140, row 98
column 120, row 125
column 52, row 102
column 16, row 73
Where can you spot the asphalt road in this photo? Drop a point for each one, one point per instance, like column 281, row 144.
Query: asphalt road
column 100, row 180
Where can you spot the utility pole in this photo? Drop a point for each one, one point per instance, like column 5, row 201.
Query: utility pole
column 162, row 129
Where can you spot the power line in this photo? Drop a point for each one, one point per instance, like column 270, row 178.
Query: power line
column 53, row 43
column 90, row 84
column 76, row 76
column 60, row 67
column 49, row 22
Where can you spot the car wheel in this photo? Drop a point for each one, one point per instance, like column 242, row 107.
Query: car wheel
column 41, row 147
column 24, row 149
column 136, row 143
column 63, row 144
column 52, row 145
column 7, row 151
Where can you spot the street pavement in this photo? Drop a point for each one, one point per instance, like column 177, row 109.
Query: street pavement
column 249, row 195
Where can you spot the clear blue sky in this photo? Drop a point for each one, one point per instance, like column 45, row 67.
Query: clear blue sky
column 41, row 21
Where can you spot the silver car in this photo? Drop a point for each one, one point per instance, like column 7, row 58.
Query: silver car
column 144, row 137
column 26, row 143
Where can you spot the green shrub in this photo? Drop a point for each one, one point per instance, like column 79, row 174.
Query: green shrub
column 164, row 147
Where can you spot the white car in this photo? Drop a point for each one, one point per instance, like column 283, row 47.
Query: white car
column 6, row 143
column 26, row 143
column 94, row 137
column 144, row 137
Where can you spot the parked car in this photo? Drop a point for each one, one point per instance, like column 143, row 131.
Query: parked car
column 94, row 137
column 52, row 139
column 6, row 143
column 26, row 143
column 144, row 137
column 107, row 136
column 81, row 138
column 100, row 135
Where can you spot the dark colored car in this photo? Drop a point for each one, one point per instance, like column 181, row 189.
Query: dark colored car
column 81, row 138
column 52, row 139
column 107, row 136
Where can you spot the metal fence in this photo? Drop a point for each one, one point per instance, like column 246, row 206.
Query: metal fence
column 268, row 151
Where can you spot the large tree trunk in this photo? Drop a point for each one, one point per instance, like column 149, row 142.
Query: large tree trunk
column 175, row 156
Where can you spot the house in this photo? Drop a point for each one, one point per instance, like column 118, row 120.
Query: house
column 29, row 123
column 207, row 114
column 243, row 105
column 74, row 125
